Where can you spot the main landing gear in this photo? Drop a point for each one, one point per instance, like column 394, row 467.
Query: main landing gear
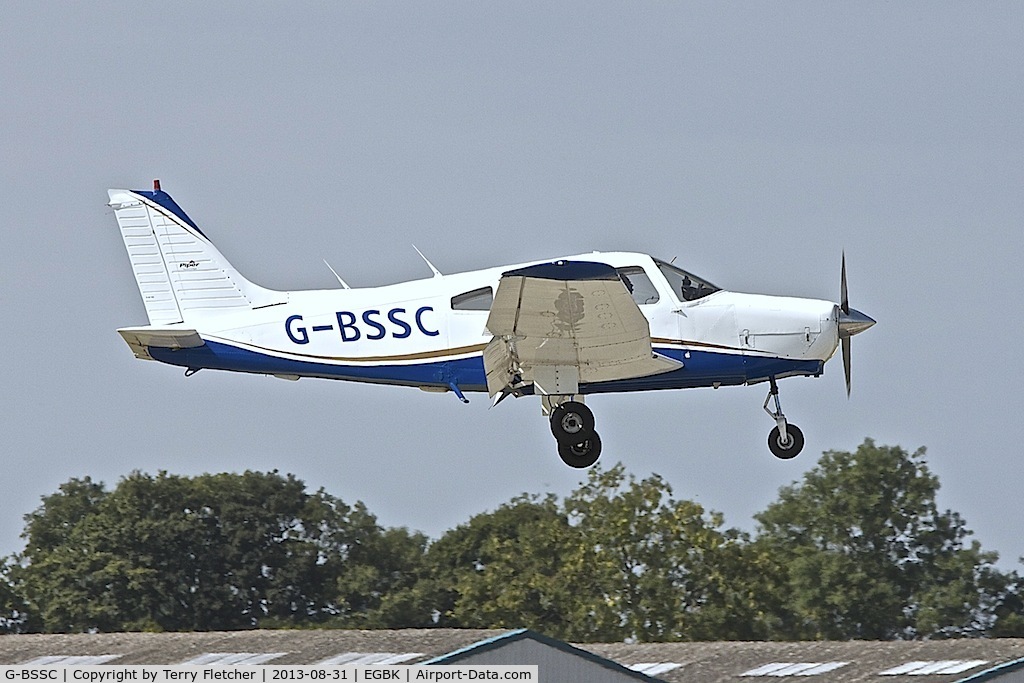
column 786, row 440
column 572, row 424
column 579, row 446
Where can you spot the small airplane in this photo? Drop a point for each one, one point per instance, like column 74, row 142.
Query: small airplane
column 558, row 329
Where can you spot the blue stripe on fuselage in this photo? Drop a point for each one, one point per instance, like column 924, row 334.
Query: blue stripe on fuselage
column 711, row 368
column 701, row 369
column 467, row 373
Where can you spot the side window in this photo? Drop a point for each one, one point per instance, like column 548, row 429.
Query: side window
column 687, row 286
column 638, row 284
column 476, row 300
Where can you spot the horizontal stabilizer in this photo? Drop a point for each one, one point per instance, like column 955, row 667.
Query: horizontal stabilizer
column 140, row 339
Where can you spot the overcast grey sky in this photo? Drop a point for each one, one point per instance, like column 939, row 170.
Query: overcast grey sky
column 753, row 141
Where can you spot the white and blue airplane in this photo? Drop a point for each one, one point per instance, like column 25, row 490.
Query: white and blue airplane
column 558, row 329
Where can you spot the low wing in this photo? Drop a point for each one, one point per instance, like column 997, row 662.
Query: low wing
column 140, row 339
column 562, row 324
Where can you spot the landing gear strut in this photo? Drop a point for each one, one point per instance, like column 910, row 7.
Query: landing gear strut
column 572, row 424
column 786, row 440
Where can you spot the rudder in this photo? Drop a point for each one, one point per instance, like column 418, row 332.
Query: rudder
column 181, row 275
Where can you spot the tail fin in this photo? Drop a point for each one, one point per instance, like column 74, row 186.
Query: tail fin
column 181, row 274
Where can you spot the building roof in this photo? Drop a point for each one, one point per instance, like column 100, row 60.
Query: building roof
column 281, row 647
column 497, row 641
column 286, row 646
column 936, row 661
column 932, row 661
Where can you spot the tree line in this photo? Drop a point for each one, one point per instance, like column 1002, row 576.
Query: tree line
column 857, row 549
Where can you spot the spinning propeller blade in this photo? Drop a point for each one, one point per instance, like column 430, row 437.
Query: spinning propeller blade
column 844, row 300
column 851, row 322
column 846, row 362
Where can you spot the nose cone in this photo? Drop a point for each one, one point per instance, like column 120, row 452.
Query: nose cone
column 853, row 323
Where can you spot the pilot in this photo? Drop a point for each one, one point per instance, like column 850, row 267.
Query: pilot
column 687, row 290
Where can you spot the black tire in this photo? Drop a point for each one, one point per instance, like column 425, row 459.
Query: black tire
column 583, row 454
column 572, row 422
column 786, row 451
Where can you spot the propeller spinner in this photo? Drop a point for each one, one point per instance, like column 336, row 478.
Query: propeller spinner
column 851, row 322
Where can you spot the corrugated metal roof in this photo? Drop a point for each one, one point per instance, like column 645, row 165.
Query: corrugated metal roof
column 945, row 661
column 654, row 668
column 70, row 660
column 780, row 669
column 299, row 646
column 505, row 638
column 726, row 662
column 946, row 666
column 1005, row 670
column 233, row 658
column 368, row 658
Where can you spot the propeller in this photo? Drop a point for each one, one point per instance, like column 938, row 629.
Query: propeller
column 851, row 322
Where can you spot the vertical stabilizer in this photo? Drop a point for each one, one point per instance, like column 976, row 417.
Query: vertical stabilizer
column 181, row 275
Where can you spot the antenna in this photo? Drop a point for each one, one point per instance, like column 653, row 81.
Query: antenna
column 436, row 272
column 343, row 283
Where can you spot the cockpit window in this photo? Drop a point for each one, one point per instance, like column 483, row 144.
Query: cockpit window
column 687, row 286
column 639, row 285
column 475, row 300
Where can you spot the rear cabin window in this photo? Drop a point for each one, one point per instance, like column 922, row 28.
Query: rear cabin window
column 639, row 285
column 476, row 300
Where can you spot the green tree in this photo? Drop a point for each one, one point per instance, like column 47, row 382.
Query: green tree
column 1008, row 606
column 383, row 566
column 859, row 549
column 221, row 551
column 13, row 610
column 618, row 558
column 504, row 569
column 657, row 568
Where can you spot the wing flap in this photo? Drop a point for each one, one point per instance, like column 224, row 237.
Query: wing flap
column 567, row 315
column 499, row 366
column 140, row 339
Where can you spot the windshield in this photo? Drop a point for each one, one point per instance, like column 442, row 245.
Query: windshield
column 686, row 286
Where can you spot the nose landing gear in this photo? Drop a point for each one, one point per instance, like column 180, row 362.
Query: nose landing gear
column 786, row 440
column 572, row 424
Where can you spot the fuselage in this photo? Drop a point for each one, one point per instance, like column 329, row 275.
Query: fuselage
column 431, row 333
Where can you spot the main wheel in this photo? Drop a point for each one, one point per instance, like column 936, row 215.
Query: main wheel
column 571, row 422
column 785, row 451
column 583, row 454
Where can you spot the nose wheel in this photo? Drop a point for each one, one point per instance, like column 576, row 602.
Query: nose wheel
column 786, row 440
column 788, row 448
column 572, row 425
